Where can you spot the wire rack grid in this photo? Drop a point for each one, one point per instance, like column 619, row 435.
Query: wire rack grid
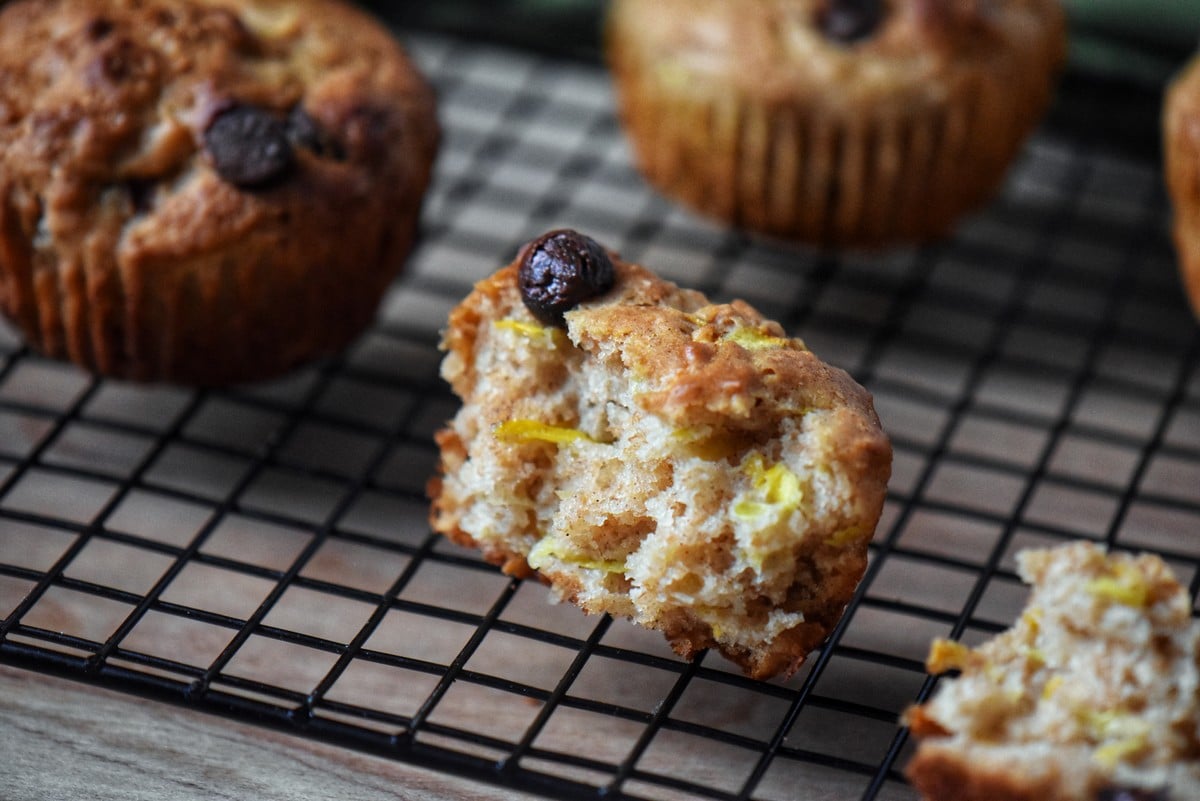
column 263, row 553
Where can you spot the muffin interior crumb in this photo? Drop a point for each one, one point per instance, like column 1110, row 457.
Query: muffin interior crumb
column 1096, row 685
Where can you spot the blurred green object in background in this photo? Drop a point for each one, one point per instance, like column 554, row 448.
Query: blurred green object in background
column 1140, row 40
column 1175, row 22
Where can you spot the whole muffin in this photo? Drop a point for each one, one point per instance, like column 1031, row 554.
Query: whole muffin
column 1181, row 154
column 203, row 191
column 858, row 123
column 658, row 457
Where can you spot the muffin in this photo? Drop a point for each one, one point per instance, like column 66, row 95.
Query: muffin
column 1181, row 163
column 657, row 457
column 839, row 123
column 1092, row 695
column 203, row 191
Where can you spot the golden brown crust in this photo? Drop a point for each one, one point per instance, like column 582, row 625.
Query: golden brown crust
column 748, row 113
column 123, row 249
column 701, row 381
column 945, row 776
column 1181, row 154
column 711, row 479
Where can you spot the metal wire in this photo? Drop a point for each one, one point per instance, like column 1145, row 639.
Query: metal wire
column 262, row 552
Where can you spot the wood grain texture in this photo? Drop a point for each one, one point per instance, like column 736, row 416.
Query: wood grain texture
column 62, row 740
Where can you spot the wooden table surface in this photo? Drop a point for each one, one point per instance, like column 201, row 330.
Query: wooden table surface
column 63, row 740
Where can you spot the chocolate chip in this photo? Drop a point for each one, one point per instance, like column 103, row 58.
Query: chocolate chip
column 1132, row 794
column 248, row 146
column 303, row 131
column 99, row 27
column 847, row 21
column 560, row 270
column 141, row 194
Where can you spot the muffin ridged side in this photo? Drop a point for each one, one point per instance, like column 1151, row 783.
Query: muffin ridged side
column 800, row 161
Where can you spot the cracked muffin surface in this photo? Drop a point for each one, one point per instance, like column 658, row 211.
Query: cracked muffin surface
column 203, row 191
column 658, row 457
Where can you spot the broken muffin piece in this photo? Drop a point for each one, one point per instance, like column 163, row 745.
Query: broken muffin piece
column 657, row 457
column 1092, row 695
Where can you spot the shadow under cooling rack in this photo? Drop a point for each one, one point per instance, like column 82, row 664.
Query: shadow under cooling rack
column 263, row 552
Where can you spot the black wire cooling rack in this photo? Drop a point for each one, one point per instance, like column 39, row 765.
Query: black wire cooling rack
column 263, row 552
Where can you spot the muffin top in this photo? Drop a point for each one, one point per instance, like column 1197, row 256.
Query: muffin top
column 152, row 123
column 694, row 363
column 868, row 49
